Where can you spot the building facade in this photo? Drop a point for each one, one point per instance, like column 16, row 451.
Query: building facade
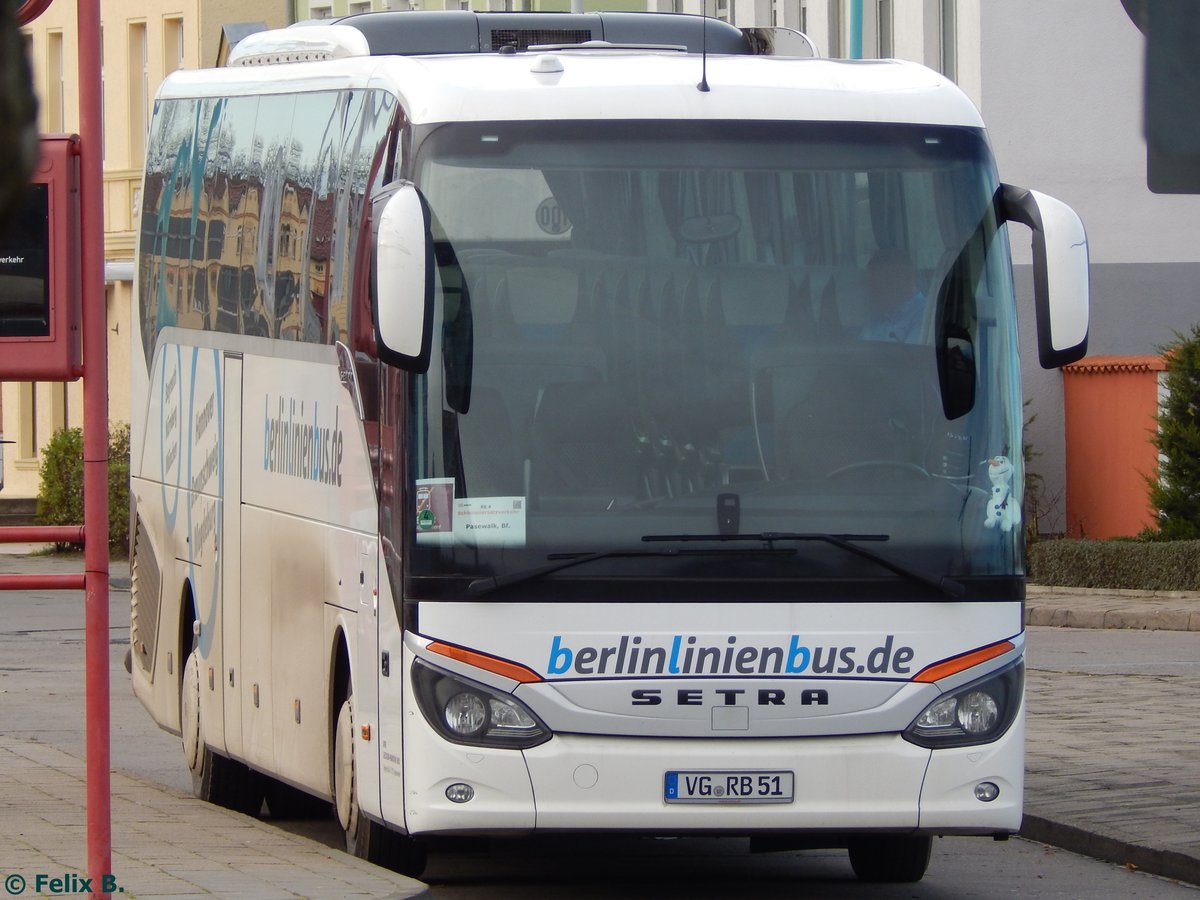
column 1059, row 84
column 142, row 43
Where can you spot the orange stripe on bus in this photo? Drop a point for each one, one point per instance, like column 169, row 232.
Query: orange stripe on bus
column 488, row 663
column 956, row 664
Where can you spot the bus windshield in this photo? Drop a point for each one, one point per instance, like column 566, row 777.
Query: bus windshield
column 715, row 350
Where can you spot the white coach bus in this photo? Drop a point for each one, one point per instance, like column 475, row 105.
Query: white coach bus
column 586, row 423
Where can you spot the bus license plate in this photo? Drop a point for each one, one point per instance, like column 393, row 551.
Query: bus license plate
column 728, row 787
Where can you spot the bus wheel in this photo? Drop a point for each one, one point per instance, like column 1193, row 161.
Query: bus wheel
column 215, row 778
column 888, row 857
column 366, row 839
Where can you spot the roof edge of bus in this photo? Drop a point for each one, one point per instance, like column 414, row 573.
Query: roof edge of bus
column 442, row 32
column 640, row 85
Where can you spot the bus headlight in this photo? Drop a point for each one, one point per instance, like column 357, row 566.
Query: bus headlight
column 466, row 712
column 976, row 713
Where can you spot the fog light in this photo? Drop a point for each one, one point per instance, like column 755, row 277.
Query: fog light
column 461, row 793
column 986, row 791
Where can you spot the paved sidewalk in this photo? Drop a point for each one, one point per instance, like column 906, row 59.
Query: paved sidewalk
column 164, row 843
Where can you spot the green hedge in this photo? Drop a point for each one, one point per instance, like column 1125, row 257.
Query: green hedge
column 60, row 492
column 1133, row 565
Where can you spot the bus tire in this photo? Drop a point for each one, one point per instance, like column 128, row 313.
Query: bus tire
column 365, row 838
column 215, row 778
column 891, row 857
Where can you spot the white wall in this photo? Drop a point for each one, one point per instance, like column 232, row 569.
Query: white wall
column 1062, row 97
column 1061, row 92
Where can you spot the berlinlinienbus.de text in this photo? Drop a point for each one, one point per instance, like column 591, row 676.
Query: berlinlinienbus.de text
column 298, row 444
column 681, row 655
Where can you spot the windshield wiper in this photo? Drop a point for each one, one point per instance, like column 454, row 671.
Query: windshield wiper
column 942, row 583
column 482, row 586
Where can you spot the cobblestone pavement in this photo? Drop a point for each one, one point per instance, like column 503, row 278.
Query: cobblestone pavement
column 1113, row 757
column 166, row 844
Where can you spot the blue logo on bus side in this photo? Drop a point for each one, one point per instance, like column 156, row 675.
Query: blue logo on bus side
column 208, row 628
column 171, row 430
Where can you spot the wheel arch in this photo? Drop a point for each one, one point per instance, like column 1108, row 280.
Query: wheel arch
column 188, row 616
column 340, row 686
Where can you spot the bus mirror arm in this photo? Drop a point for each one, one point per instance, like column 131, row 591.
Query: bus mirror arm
column 1060, row 272
column 403, row 278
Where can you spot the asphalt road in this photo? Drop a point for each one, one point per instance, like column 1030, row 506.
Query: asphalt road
column 42, row 698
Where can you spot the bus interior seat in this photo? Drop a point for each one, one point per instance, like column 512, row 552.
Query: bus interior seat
column 757, row 307
column 529, row 313
column 584, row 447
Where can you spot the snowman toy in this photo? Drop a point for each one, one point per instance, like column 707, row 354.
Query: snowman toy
column 1003, row 508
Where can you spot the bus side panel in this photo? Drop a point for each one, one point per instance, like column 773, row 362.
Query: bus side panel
column 310, row 520
column 296, row 633
column 231, row 551
column 357, row 560
column 178, row 478
column 392, row 722
column 158, row 686
column 254, row 675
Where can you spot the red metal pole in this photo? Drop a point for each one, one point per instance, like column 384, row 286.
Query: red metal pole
column 95, row 445
column 41, row 534
column 74, row 581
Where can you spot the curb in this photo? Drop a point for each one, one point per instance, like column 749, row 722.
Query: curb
column 1104, row 608
column 1051, row 590
column 1164, row 863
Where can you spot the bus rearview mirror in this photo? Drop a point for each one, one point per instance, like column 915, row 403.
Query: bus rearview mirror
column 402, row 297
column 1060, row 273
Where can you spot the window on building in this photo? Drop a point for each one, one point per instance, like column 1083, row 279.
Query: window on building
column 103, row 130
column 172, row 45
column 356, row 8
column 835, row 29
column 885, row 42
column 322, row 12
column 56, row 101
column 139, row 92
column 58, row 406
column 950, row 39
column 27, row 439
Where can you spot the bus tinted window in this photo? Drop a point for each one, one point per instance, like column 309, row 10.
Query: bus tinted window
column 815, row 318
column 252, row 209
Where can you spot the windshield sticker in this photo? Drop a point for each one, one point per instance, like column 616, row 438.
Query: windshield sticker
column 444, row 519
column 435, row 510
column 1003, row 508
column 490, row 521
column 551, row 218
